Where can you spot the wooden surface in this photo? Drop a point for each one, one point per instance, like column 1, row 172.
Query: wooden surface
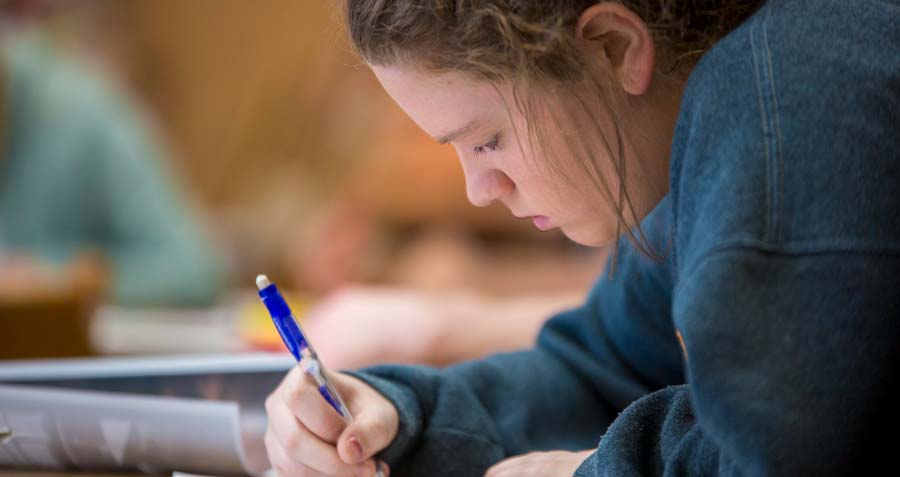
column 51, row 327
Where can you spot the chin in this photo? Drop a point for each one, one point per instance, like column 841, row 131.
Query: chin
column 590, row 236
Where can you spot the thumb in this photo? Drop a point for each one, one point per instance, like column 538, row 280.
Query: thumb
column 368, row 434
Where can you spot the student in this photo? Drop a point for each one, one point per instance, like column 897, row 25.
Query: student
column 81, row 176
column 748, row 153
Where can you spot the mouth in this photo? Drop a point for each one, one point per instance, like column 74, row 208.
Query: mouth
column 542, row 222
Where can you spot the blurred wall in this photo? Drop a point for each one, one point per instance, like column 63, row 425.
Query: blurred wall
column 275, row 126
column 272, row 116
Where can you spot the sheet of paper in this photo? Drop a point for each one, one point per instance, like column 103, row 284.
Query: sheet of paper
column 49, row 428
column 147, row 392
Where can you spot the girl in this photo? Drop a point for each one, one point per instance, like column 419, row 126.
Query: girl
column 748, row 325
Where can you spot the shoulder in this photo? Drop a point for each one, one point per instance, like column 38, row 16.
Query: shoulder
column 70, row 118
column 53, row 90
column 788, row 132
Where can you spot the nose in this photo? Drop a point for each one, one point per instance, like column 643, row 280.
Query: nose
column 484, row 187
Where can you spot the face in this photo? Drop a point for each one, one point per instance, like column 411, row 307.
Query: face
column 551, row 192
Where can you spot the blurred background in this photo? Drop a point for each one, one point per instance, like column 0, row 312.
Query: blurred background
column 156, row 155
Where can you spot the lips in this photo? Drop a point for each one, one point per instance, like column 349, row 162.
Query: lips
column 542, row 222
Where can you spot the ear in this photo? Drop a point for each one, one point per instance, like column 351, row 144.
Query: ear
column 618, row 37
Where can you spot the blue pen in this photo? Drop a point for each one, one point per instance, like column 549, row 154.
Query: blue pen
column 302, row 349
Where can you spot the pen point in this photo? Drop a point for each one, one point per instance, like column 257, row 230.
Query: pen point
column 262, row 281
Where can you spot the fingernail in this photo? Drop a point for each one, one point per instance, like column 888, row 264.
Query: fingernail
column 356, row 451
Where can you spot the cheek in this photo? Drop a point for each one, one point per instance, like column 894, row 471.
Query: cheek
column 599, row 233
column 562, row 195
column 579, row 207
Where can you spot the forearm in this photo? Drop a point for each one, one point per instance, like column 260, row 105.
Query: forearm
column 562, row 394
column 478, row 413
column 474, row 326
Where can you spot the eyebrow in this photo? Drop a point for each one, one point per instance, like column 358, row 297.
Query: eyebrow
column 454, row 135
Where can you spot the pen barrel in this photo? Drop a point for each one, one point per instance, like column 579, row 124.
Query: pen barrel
column 313, row 368
column 284, row 321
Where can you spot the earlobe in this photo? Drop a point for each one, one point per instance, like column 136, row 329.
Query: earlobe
column 622, row 40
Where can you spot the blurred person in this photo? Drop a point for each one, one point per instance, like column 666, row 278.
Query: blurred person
column 742, row 157
column 83, row 180
column 393, row 324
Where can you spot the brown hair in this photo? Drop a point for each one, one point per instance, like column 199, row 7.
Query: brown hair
column 531, row 45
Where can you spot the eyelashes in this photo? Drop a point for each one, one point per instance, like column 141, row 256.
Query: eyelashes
column 491, row 145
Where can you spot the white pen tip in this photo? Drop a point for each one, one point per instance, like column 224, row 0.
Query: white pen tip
column 262, row 281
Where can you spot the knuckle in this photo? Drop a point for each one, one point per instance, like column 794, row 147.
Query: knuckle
column 277, row 459
column 270, row 447
column 271, row 401
column 293, row 389
column 296, row 469
column 292, row 442
column 378, row 428
column 306, row 472
column 331, row 467
column 332, row 426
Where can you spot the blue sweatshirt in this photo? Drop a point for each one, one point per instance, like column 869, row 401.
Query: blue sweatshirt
column 782, row 240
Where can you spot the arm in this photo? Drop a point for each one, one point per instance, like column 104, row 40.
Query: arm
column 788, row 259
column 439, row 329
column 589, row 363
column 474, row 327
column 787, row 357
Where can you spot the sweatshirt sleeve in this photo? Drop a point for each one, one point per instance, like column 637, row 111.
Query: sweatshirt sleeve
column 787, row 368
column 588, row 364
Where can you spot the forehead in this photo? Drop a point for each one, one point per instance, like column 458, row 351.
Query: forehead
column 440, row 102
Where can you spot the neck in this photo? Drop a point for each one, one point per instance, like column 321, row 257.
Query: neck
column 655, row 129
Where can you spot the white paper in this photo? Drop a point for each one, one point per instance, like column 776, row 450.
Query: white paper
column 195, row 414
column 86, row 430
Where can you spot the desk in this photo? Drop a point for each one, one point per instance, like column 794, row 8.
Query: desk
column 34, row 473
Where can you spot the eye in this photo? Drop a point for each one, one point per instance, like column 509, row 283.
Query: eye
column 491, row 145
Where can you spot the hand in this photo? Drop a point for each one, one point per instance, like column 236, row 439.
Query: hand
column 359, row 326
column 306, row 437
column 25, row 278
column 437, row 328
column 540, row 464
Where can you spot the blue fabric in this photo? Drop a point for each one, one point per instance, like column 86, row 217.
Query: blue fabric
column 784, row 213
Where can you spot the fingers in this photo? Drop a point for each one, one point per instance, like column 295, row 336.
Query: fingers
column 306, row 436
column 285, row 466
column 303, row 399
column 301, row 445
column 374, row 427
column 368, row 434
column 552, row 463
column 518, row 466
